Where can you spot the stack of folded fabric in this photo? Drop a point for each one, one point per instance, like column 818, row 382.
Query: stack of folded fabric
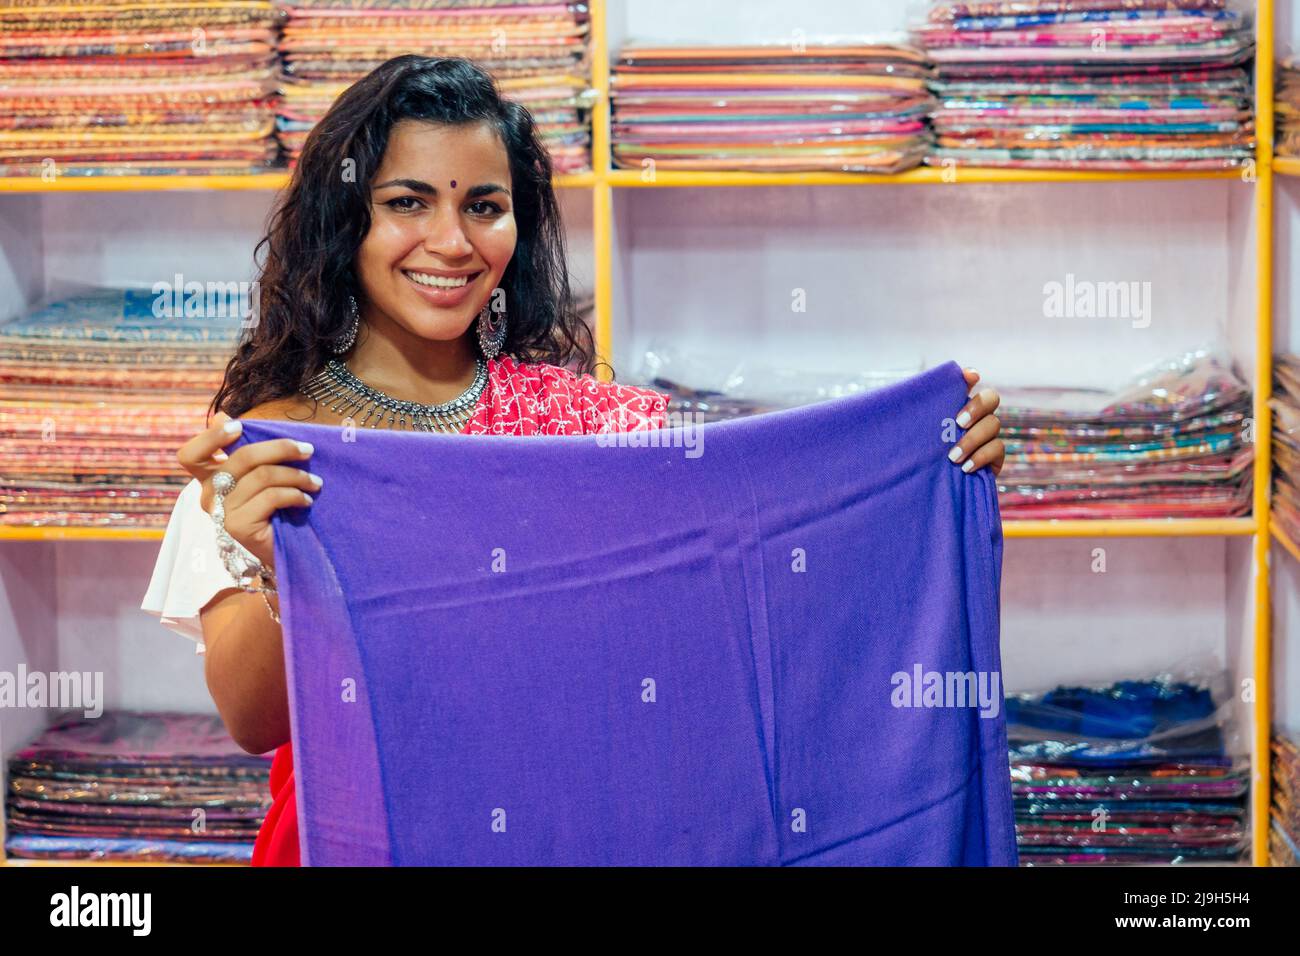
column 823, row 106
column 1286, row 108
column 537, row 50
column 1172, row 445
column 1136, row 772
column 1284, row 828
column 96, row 394
column 111, row 87
column 704, row 405
column 1285, row 405
column 705, row 388
column 1099, row 84
column 157, row 787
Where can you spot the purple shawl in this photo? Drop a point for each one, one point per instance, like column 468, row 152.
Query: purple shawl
column 767, row 641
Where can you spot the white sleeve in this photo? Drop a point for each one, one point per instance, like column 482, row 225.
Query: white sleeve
column 189, row 571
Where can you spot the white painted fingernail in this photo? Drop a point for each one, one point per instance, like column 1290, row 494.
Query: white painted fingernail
column 232, row 426
column 963, row 420
column 955, row 453
column 305, row 447
column 306, row 498
column 315, row 479
column 966, row 466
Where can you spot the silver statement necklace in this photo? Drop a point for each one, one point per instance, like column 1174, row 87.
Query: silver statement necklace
column 348, row 396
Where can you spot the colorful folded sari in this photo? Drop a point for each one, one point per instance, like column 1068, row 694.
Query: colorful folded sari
column 1011, row 83
column 135, row 787
column 109, row 88
column 96, row 394
column 842, row 107
column 538, row 53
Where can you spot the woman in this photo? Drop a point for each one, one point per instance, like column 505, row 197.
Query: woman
column 416, row 257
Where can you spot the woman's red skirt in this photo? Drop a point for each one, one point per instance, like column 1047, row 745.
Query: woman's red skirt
column 277, row 840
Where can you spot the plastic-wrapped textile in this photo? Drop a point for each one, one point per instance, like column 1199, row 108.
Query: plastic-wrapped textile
column 717, row 387
column 131, row 786
column 1138, row 771
column 1173, row 443
column 1286, row 107
column 1284, row 825
column 1116, row 85
column 1285, row 406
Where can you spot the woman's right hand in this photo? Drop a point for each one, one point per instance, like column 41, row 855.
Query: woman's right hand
column 262, row 484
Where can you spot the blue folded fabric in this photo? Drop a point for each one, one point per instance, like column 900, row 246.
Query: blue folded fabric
column 1126, row 710
column 767, row 641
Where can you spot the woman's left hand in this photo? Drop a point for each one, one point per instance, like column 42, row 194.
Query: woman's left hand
column 980, row 445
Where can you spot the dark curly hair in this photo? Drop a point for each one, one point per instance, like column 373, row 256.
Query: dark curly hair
column 322, row 217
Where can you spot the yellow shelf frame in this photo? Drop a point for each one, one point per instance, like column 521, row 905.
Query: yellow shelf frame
column 26, row 533
column 259, row 182
column 1286, row 165
column 1261, row 656
column 1131, row 528
column 603, row 179
column 920, row 176
column 1283, row 538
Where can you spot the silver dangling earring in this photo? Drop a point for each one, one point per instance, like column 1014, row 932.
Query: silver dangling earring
column 491, row 336
column 350, row 336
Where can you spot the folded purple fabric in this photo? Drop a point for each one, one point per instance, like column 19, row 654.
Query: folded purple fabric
column 748, row 649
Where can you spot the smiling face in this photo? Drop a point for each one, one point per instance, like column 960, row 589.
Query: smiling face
column 436, row 251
